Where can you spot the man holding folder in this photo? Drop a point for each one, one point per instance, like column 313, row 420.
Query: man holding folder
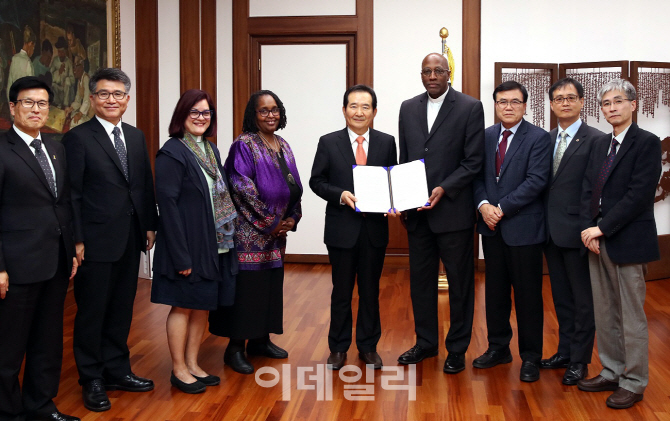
column 356, row 241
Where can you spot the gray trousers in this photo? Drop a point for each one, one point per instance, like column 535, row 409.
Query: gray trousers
column 621, row 325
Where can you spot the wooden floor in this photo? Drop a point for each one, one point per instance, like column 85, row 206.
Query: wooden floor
column 493, row 394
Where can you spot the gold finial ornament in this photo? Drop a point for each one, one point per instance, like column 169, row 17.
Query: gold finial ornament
column 444, row 33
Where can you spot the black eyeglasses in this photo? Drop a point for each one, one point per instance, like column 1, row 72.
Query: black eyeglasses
column 195, row 114
column 30, row 103
column 503, row 103
column 265, row 112
column 571, row 99
column 439, row 72
column 104, row 95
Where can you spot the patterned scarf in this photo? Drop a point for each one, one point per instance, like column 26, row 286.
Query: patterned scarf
column 224, row 210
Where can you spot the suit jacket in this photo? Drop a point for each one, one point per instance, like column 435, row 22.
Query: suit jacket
column 187, row 237
column 453, row 152
column 332, row 174
column 32, row 221
column 103, row 201
column 564, row 194
column 523, row 177
column 627, row 199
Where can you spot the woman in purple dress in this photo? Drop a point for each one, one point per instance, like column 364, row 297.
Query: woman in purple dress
column 266, row 190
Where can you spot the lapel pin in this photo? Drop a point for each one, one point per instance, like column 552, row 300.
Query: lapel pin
column 54, row 157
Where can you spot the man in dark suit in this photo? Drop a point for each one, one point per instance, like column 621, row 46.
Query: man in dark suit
column 36, row 257
column 356, row 241
column 508, row 194
column 446, row 129
column 114, row 221
column 618, row 213
column 568, row 266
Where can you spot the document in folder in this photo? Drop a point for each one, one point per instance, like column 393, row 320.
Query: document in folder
column 380, row 189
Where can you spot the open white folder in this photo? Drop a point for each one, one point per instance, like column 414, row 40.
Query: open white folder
column 400, row 187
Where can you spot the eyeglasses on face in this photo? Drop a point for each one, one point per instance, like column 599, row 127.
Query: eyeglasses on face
column 503, row 103
column 615, row 102
column 560, row 99
column 104, row 95
column 195, row 114
column 30, row 103
column 265, row 112
column 439, row 72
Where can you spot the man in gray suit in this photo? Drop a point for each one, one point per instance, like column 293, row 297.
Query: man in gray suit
column 508, row 194
column 568, row 265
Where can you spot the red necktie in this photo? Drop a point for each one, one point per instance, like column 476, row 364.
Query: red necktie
column 361, row 159
column 502, row 148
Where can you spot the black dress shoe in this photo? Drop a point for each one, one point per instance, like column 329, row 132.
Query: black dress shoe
column 208, row 380
column 130, row 383
column 371, row 358
column 575, row 373
column 268, row 349
column 416, row 354
column 54, row 416
column 238, row 362
column 530, row 372
column 492, row 358
column 336, row 360
column 95, row 397
column 455, row 363
column 196, row 387
column 556, row 361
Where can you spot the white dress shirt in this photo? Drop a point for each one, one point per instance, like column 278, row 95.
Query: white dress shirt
column 108, row 129
column 434, row 105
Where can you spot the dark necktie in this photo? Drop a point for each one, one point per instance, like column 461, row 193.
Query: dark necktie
column 502, row 149
column 121, row 150
column 602, row 176
column 44, row 164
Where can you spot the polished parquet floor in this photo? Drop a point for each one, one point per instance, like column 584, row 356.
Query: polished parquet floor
column 305, row 394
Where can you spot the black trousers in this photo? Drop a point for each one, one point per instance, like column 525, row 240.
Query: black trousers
column 105, row 294
column 573, row 301
column 31, row 325
column 455, row 249
column 519, row 267
column 360, row 264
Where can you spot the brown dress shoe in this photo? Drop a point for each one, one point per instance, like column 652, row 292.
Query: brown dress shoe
column 597, row 384
column 371, row 358
column 336, row 360
column 622, row 399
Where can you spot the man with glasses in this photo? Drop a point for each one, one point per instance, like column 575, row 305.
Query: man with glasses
column 36, row 257
column 114, row 221
column 568, row 266
column 617, row 210
column 445, row 128
column 508, row 195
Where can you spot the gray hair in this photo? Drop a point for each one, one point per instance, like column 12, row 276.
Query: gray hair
column 110, row 73
column 618, row 85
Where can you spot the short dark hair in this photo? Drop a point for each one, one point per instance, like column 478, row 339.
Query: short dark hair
column 46, row 46
column 249, row 123
column 360, row 88
column 109, row 73
column 28, row 82
column 511, row 85
column 565, row 82
column 186, row 102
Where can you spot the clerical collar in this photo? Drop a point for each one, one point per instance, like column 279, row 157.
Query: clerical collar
column 440, row 98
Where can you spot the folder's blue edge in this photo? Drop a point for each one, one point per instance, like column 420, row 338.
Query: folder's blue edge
column 357, row 210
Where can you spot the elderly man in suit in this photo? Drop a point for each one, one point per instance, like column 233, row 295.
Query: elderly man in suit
column 356, row 241
column 617, row 211
column 568, row 266
column 508, row 194
column 446, row 129
column 36, row 257
column 114, row 221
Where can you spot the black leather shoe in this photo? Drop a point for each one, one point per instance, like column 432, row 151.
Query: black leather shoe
column 555, row 361
column 196, row 387
column 530, row 372
column 371, row 358
column 130, row 383
column 597, row 384
column 238, row 362
column 416, row 354
column 492, row 358
column 455, row 363
column 95, row 397
column 54, row 416
column 209, row 380
column 575, row 373
column 268, row 349
column 336, row 360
